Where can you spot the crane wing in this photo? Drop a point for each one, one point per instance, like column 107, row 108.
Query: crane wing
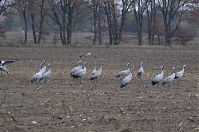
column 7, row 62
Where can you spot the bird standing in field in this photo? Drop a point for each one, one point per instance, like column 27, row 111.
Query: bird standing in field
column 3, row 65
column 180, row 74
column 140, row 72
column 38, row 75
column 80, row 73
column 95, row 66
column 124, row 73
column 169, row 79
column 42, row 67
column 127, row 79
column 46, row 75
column 96, row 74
column 158, row 77
column 77, row 68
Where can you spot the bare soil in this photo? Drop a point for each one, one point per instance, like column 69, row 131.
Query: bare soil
column 66, row 105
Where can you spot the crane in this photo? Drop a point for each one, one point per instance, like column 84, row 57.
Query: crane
column 169, row 79
column 158, row 77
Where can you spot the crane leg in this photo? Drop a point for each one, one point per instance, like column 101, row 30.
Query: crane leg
column 81, row 80
column 178, row 83
column 6, row 72
column 157, row 85
column 95, row 82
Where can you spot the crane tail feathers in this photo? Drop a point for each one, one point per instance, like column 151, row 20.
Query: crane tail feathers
column 122, row 85
column 154, row 83
column 93, row 78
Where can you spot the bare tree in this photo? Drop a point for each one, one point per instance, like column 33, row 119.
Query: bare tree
column 4, row 5
column 116, row 17
column 151, row 20
column 37, row 14
column 65, row 14
column 139, row 7
column 108, row 11
column 172, row 12
column 96, row 5
column 22, row 7
column 126, row 5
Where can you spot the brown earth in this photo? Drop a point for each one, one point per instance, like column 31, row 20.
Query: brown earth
column 63, row 104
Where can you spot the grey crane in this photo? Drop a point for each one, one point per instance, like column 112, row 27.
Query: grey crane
column 47, row 74
column 80, row 73
column 127, row 79
column 95, row 66
column 42, row 67
column 140, row 71
column 38, row 75
column 96, row 72
column 169, row 79
column 77, row 68
column 3, row 65
column 158, row 77
column 124, row 73
column 180, row 74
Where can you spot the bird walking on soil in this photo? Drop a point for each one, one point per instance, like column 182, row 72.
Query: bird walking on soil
column 80, row 73
column 124, row 73
column 127, row 79
column 169, row 79
column 3, row 65
column 140, row 71
column 96, row 72
column 37, row 76
column 158, row 77
column 47, row 74
column 180, row 74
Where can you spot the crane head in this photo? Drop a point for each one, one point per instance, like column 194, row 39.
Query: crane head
column 184, row 66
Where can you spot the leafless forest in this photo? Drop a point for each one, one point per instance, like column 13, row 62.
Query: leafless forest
column 110, row 22
column 161, row 34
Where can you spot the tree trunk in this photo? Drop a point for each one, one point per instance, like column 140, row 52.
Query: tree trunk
column 158, row 39
column 69, row 26
column 167, row 32
column 69, row 35
column 61, row 35
column 149, row 27
column 94, row 21
column 115, row 26
column 139, row 36
column 25, row 26
column 40, row 29
column 42, row 17
column 33, row 28
column 168, row 40
column 122, row 25
column 99, row 26
column 110, row 37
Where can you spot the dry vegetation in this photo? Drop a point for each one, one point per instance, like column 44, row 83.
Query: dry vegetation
column 62, row 104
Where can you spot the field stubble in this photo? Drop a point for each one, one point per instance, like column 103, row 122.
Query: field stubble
column 63, row 104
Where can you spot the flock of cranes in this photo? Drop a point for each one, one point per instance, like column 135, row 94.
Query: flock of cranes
column 126, row 76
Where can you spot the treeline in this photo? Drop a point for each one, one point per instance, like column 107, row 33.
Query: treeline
column 160, row 17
